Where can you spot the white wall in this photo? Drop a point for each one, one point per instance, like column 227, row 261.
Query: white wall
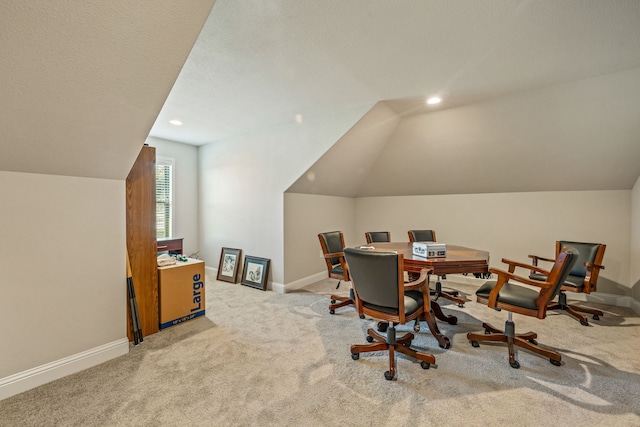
column 514, row 225
column 508, row 225
column 62, row 270
column 242, row 182
column 635, row 241
column 185, row 206
column 307, row 215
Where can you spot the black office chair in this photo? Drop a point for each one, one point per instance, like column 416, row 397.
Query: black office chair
column 503, row 294
column 439, row 291
column 377, row 236
column 332, row 244
column 582, row 278
column 380, row 292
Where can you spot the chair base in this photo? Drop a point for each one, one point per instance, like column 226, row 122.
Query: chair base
column 392, row 344
column 526, row 341
column 450, row 294
column 439, row 291
column 574, row 310
column 338, row 301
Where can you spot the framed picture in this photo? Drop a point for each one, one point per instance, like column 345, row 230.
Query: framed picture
column 255, row 272
column 228, row 268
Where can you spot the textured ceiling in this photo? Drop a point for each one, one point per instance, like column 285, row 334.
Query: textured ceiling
column 257, row 64
column 82, row 82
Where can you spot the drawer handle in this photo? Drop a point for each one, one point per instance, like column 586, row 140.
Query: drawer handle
column 162, row 247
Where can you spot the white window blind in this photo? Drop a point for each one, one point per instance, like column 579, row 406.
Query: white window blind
column 164, row 196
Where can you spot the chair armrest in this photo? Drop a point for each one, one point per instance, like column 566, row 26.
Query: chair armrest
column 514, row 264
column 334, row 255
column 509, row 276
column 535, row 259
column 504, row 277
column 592, row 266
column 420, row 281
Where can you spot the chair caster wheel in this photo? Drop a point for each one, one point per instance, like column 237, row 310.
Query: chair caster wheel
column 461, row 305
column 475, row 343
column 447, row 343
column 584, row 323
column 355, row 356
column 369, row 338
column 416, row 327
column 515, row 364
column 333, row 301
column 332, row 312
column 362, row 316
column 534, row 342
column 425, row 365
column 555, row 362
column 596, row 317
column 388, row 376
column 487, row 332
column 382, row 327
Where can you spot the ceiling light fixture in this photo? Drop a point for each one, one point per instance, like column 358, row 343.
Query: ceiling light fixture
column 434, row 100
column 175, row 122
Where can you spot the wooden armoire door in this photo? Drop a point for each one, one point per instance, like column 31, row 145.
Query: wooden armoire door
column 141, row 239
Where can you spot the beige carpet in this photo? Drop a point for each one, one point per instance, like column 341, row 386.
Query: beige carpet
column 262, row 359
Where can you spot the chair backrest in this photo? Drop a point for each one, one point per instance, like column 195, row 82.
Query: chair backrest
column 565, row 261
column 377, row 278
column 422, row 235
column 588, row 252
column 332, row 242
column 377, row 236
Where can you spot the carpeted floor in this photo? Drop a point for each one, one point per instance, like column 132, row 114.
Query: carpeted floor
column 266, row 359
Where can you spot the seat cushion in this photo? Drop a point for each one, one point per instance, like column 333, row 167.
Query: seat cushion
column 412, row 302
column 511, row 294
column 576, row 282
column 337, row 269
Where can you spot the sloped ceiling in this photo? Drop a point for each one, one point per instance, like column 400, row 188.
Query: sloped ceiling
column 82, row 82
column 583, row 135
column 515, row 78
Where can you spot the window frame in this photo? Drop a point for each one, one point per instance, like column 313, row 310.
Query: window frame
column 166, row 161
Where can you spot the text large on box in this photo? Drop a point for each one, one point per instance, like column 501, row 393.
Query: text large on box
column 181, row 292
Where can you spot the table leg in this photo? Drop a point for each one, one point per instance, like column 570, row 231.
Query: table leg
column 429, row 317
column 452, row 296
column 437, row 310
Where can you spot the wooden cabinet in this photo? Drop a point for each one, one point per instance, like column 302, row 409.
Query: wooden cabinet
column 141, row 239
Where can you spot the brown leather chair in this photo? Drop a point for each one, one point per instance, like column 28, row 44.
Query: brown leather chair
column 332, row 244
column 439, row 291
column 380, row 292
column 582, row 278
column 377, row 236
column 504, row 294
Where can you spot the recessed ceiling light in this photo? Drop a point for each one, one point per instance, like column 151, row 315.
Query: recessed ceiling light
column 434, row 100
column 175, row 122
column 299, row 118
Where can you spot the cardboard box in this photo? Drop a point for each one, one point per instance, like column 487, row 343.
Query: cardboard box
column 430, row 249
column 181, row 292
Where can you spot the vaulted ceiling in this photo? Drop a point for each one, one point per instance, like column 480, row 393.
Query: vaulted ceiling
column 546, row 91
column 82, row 82
column 554, row 82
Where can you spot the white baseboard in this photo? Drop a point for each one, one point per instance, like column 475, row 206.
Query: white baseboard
column 599, row 297
column 31, row 378
column 301, row 283
column 611, row 299
column 281, row 288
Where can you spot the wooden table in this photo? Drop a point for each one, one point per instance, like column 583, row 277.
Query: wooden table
column 459, row 259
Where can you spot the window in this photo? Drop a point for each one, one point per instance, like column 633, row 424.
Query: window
column 164, row 196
